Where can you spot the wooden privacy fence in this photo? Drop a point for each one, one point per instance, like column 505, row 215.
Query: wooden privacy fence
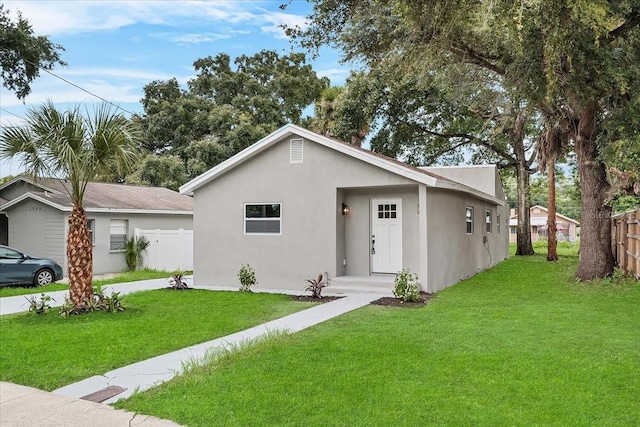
column 625, row 235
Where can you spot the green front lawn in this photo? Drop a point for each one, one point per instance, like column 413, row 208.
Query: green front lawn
column 48, row 351
column 522, row 344
column 127, row 276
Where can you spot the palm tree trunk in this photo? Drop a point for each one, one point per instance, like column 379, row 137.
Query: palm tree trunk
column 552, row 244
column 80, row 258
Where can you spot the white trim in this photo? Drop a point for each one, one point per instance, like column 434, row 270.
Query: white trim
column 426, row 177
column 244, row 218
column 466, row 221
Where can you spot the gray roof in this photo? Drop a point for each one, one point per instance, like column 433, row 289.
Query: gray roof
column 102, row 195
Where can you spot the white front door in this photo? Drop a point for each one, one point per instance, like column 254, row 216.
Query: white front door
column 386, row 235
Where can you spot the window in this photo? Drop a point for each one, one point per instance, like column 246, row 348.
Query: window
column 117, row 234
column 262, row 218
column 387, row 211
column 469, row 220
column 92, row 227
column 498, row 223
column 489, row 220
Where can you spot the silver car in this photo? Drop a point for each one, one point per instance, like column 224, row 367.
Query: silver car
column 18, row 268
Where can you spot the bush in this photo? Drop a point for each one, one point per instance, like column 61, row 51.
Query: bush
column 133, row 250
column 406, row 286
column 39, row 306
column 247, row 277
column 178, row 282
column 316, row 285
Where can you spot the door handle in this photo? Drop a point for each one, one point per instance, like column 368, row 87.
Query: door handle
column 373, row 245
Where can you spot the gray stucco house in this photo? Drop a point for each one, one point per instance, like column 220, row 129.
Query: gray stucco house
column 296, row 203
column 34, row 217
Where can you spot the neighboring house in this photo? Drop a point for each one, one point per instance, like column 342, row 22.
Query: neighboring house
column 296, row 203
column 34, row 217
column 566, row 228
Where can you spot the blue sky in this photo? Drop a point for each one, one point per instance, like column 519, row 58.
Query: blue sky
column 114, row 48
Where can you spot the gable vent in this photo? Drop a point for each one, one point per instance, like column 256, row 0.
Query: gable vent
column 296, row 151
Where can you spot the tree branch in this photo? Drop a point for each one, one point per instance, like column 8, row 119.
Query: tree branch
column 632, row 21
column 470, row 139
column 472, row 56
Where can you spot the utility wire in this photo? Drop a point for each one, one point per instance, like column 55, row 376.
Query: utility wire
column 13, row 114
column 75, row 85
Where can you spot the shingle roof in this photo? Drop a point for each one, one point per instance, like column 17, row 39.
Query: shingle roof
column 102, row 195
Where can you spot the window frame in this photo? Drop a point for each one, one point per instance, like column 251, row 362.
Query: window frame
column 469, row 228
column 111, row 234
column 91, row 225
column 245, row 218
column 489, row 221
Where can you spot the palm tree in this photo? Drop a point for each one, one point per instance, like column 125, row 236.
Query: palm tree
column 549, row 149
column 77, row 148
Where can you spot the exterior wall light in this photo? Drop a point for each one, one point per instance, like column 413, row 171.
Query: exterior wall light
column 345, row 209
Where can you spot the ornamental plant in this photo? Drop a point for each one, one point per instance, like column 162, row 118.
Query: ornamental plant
column 247, row 277
column 316, row 285
column 406, row 286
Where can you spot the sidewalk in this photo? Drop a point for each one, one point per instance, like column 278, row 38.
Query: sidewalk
column 148, row 373
column 23, row 406
column 17, row 304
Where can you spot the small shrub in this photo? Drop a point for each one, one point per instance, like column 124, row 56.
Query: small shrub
column 100, row 301
column 133, row 250
column 67, row 309
column 247, row 277
column 178, row 281
column 112, row 303
column 406, row 286
column 40, row 306
column 316, row 285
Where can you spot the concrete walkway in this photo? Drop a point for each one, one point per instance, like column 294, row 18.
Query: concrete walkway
column 64, row 406
column 22, row 406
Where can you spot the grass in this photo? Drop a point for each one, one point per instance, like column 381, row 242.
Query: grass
column 521, row 344
column 127, row 276
column 48, row 351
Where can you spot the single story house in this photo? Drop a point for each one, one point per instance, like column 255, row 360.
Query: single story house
column 296, row 204
column 34, row 217
column 567, row 229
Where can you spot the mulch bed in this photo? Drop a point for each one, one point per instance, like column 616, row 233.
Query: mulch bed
column 385, row 301
column 308, row 298
column 398, row 302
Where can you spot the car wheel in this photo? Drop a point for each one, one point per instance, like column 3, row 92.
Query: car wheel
column 43, row 277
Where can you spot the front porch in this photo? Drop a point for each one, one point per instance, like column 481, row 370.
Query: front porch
column 380, row 284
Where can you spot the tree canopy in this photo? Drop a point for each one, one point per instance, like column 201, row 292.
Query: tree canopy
column 226, row 107
column 575, row 62
column 23, row 54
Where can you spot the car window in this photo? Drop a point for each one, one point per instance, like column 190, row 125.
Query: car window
column 6, row 253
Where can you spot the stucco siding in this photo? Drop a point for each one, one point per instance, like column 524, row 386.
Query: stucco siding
column 358, row 227
column 108, row 261
column 311, row 217
column 453, row 254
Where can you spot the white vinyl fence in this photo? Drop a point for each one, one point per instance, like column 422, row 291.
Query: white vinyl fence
column 169, row 250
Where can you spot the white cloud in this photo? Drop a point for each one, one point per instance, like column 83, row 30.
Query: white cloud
column 277, row 20
column 336, row 75
column 192, row 38
column 68, row 17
